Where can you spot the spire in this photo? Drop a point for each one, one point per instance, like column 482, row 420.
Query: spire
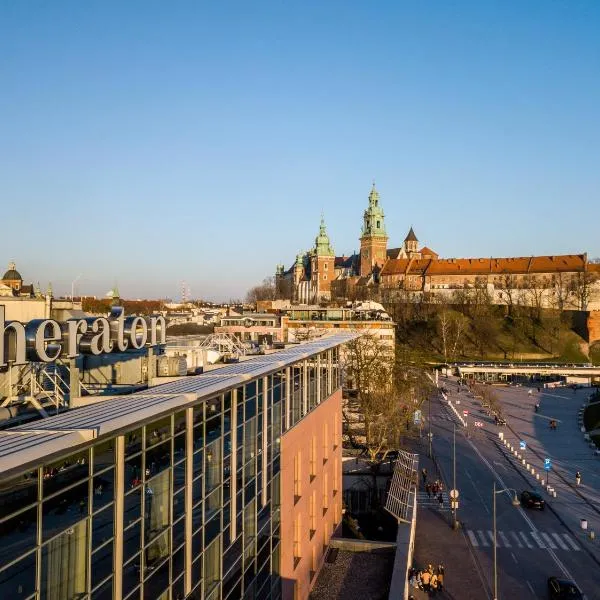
column 373, row 218
column 322, row 243
column 373, row 196
column 411, row 237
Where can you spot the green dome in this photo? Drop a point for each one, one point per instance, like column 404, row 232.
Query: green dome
column 12, row 274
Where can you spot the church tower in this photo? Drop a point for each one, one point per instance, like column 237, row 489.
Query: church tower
column 322, row 264
column 373, row 241
column 411, row 244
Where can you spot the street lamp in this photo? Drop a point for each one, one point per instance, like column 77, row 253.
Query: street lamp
column 515, row 502
column 454, row 500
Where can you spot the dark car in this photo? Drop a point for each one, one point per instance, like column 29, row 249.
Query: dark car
column 563, row 589
column 530, row 499
column 500, row 421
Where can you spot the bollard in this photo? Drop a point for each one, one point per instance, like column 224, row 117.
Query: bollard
column 554, row 493
column 537, row 476
column 523, row 461
column 592, row 535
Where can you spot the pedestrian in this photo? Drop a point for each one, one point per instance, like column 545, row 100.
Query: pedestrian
column 424, row 474
column 440, row 569
column 428, row 490
column 426, row 579
column 578, row 478
column 433, row 584
column 441, row 500
column 440, row 579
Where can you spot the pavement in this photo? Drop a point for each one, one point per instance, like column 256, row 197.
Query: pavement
column 437, row 543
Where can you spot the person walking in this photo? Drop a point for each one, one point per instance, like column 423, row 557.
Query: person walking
column 440, row 578
column 441, row 500
column 578, row 478
column 428, row 490
column 433, row 584
column 426, row 580
column 424, row 475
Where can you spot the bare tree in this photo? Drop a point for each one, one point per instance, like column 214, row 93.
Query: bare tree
column 582, row 287
column 265, row 291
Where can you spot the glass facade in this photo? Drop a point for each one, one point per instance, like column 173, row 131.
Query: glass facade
column 185, row 505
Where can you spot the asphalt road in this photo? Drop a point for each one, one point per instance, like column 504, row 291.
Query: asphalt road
column 532, row 545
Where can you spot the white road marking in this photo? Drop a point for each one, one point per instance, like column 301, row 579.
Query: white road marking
column 559, row 541
column 484, row 542
column 571, row 542
column 549, row 540
column 525, row 539
column 504, row 539
column 472, row 538
column 531, row 589
column 514, row 558
column 516, row 538
column 537, row 539
column 491, row 536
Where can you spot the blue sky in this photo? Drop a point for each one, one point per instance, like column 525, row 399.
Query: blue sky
column 146, row 143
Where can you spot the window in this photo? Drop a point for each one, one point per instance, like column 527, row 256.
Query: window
column 336, row 425
column 325, row 442
column 312, row 511
column 324, row 277
column 325, row 492
column 313, row 457
column 297, row 538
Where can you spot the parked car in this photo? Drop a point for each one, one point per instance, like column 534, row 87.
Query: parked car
column 531, row 499
column 563, row 589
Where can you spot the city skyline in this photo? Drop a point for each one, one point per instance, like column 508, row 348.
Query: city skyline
column 202, row 144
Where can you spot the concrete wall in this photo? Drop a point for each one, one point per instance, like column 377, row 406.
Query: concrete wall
column 306, row 525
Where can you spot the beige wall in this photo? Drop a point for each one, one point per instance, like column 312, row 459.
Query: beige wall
column 311, row 494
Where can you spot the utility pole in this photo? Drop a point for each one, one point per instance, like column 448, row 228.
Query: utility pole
column 455, row 500
column 495, row 546
column 429, row 423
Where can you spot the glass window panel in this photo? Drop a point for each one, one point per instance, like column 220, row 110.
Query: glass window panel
column 178, row 564
column 18, row 492
column 212, row 529
column 133, row 506
column 227, row 421
column 133, row 442
column 197, row 490
column 197, row 543
column 213, row 465
column 18, row 534
column 227, row 397
column 227, row 444
column 158, row 458
column 198, row 466
column 178, row 532
column 178, row 589
column 179, row 424
column 158, row 431
column 103, row 592
column 18, row 580
column 64, row 510
column 102, row 564
column 157, row 501
column 212, row 565
column 179, row 444
column 104, row 486
column 104, row 455
column 156, row 551
column 250, row 440
column 131, row 576
column 132, row 541
column 133, row 472
column 102, row 527
column 179, row 475
column 213, row 428
column 213, row 503
column 66, row 471
column 156, row 586
column 178, row 505
column 64, row 565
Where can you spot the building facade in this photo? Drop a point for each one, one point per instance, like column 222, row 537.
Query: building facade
column 182, row 491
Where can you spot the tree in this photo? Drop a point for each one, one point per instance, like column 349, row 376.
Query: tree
column 582, row 286
column 265, row 291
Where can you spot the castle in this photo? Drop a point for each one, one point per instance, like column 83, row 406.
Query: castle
column 318, row 275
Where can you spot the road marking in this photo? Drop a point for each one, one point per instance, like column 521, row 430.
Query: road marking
column 571, row 542
column 537, row 539
column 559, row 541
column 472, row 538
column 514, row 558
column 525, row 539
column 529, row 586
column 499, row 464
column 491, row 536
column 516, row 538
column 504, row 539
column 549, row 540
column 484, row 542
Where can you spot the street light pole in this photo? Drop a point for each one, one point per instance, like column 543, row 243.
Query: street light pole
column 429, row 422
column 455, row 500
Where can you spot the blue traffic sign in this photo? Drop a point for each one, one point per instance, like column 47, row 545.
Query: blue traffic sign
column 522, row 445
column 547, row 464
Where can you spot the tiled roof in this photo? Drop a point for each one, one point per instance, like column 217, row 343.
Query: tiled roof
column 425, row 251
column 393, row 252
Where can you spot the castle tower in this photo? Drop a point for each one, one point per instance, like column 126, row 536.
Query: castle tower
column 322, row 263
column 373, row 241
column 411, row 244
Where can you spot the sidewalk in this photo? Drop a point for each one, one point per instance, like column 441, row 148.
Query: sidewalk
column 437, row 543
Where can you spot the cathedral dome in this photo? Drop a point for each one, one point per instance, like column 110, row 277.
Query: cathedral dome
column 12, row 274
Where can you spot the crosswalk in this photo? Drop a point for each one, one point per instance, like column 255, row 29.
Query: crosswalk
column 432, row 501
column 522, row 539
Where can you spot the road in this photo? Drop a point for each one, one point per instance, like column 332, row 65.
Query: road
column 531, row 545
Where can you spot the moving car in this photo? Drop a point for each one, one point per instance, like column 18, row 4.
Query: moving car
column 531, row 499
column 563, row 589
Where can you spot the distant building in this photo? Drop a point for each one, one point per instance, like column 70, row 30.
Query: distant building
column 12, row 284
column 563, row 282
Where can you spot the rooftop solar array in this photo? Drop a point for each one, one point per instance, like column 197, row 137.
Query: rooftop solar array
column 34, row 441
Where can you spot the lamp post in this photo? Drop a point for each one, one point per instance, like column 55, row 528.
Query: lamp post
column 454, row 500
column 515, row 502
column 429, row 424
column 73, row 286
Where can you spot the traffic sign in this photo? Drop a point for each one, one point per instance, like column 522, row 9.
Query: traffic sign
column 522, row 445
column 417, row 417
column 453, row 494
column 547, row 464
column 478, row 424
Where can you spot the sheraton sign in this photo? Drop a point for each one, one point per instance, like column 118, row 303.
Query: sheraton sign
column 46, row 340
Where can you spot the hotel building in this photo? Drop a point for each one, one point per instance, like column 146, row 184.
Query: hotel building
column 220, row 486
